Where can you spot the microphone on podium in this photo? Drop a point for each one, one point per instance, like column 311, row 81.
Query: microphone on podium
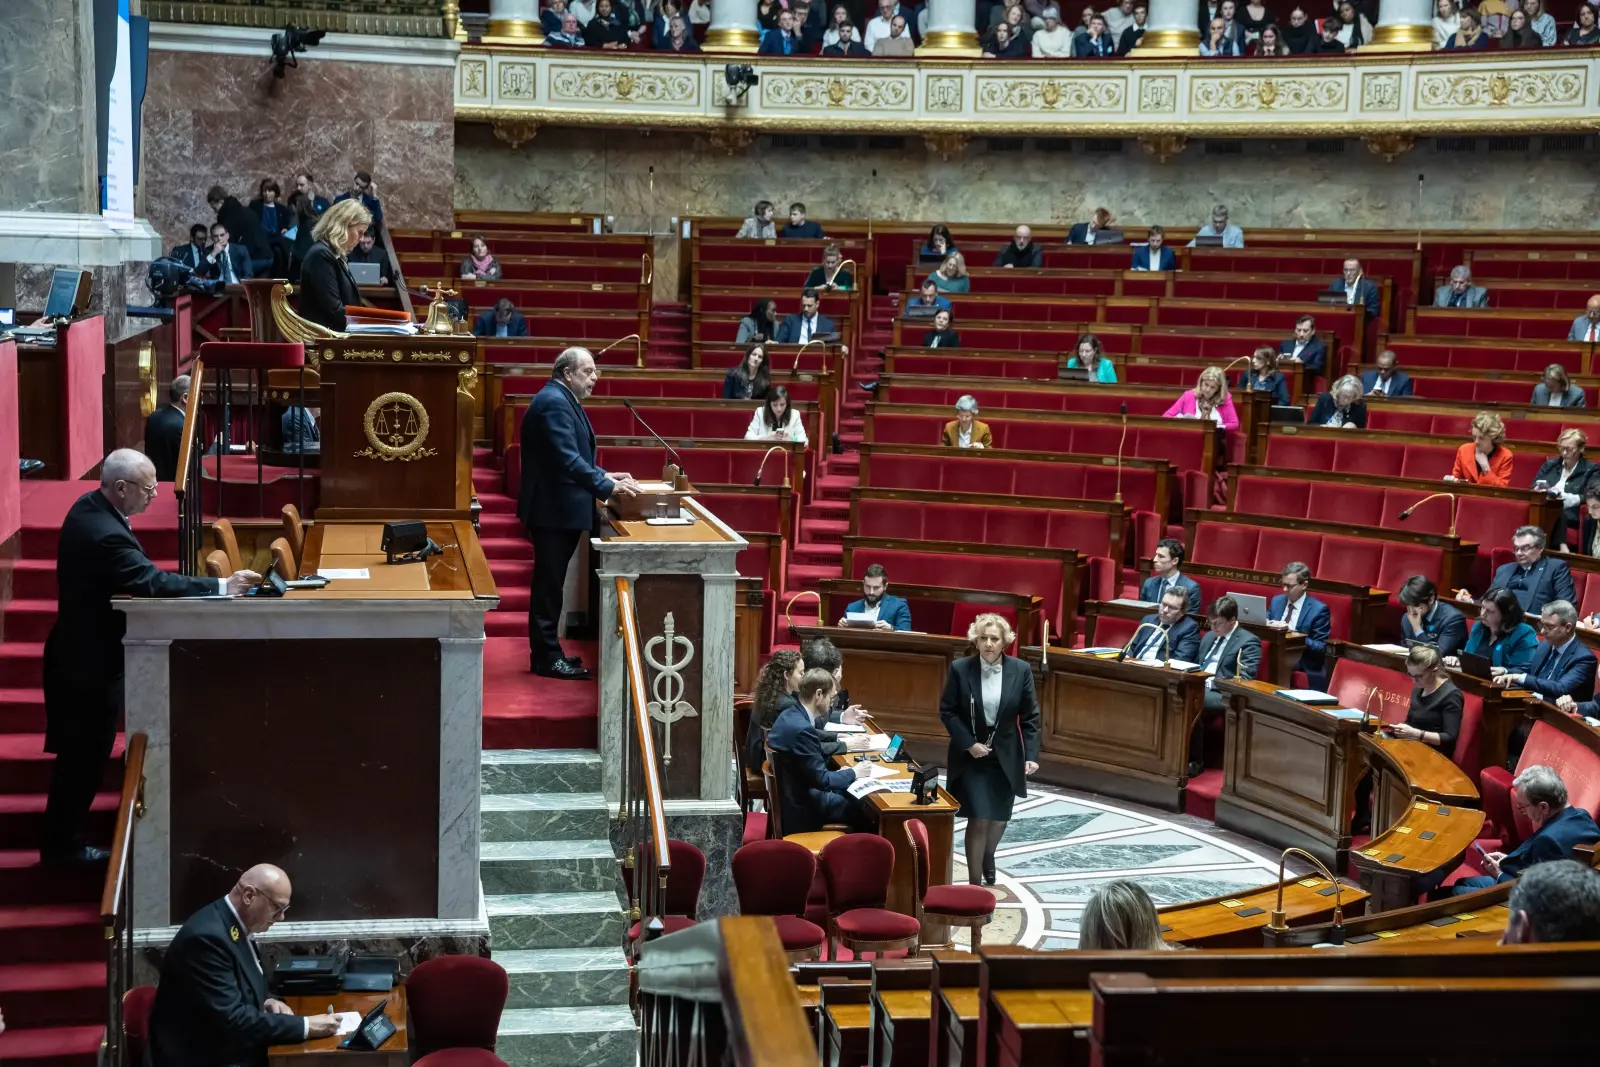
column 1406, row 514
column 1278, row 920
column 638, row 348
column 1118, row 498
column 763, row 465
column 673, row 472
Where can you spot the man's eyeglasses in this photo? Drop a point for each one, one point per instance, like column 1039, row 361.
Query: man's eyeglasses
column 147, row 490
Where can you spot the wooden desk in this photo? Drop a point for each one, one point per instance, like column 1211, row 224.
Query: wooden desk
column 394, row 1053
column 461, row 572
column 1284, row 648
column 1119, row 728
column 1039, row 1026
column 1289, row 772
column 1237, row 920
column 958, row 1040
column 893, row 811
column 901, row 1029
column 898, row 676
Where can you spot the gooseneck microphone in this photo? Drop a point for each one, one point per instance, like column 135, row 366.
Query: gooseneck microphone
column 763, row 465
column 1406, row 514
column 683, row 474
column 1122, row 441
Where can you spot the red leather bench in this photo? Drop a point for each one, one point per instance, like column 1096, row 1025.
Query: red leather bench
column 1352, row 681
column 1496, row 356
column 1360, row 453
column 1483, row 390
column 1569, row 749
column 1100, row 401
column 1398, row 417
column 1358, row 561
column 1516, row 323
column 954, row 363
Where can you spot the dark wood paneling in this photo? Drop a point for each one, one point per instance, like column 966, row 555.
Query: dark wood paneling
column 683, row 596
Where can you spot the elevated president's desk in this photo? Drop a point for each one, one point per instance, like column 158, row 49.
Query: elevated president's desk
column 333, row 732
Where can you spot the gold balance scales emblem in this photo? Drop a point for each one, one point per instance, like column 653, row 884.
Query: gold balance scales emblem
column 396, row 425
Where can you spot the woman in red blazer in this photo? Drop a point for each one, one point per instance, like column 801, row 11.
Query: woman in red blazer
column 1486, row 460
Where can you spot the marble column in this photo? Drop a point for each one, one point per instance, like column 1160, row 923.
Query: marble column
column 733, row 27
column 514, row 20
column 951, row 31
column 1170, row 30
column 1403, row 26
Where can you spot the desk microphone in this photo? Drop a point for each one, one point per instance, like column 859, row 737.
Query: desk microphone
column 1118, row 498
column 682, row 476
column 763, row 465
column 1406, row 514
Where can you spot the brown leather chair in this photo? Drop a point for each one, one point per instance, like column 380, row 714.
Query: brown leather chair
column 294, row 531
column 222, row 538
column 750, row 783
column 283, row 559
column 217, row 564
column 813, row 841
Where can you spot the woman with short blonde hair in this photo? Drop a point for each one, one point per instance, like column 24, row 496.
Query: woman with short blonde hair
column 1120, row 915
column 326, row 287
column 1485, row 460
column 342, row 225
column 951, row 277
column 1341, row 405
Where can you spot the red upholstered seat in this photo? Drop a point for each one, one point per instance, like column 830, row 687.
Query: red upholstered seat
column 773, row 877
column 798, row 935
column 1352, row 682
column 1278, row 548
column 856, row 870
column 1578, row 766
column 460, row 1057
column 252, row 355
column 686, row 872
column 876, row 924
column 970, row 901
column 136, row 1005
column 456, row 1003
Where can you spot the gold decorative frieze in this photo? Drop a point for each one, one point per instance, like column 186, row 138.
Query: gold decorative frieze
column 474, row 80
column 854, row 93
column 1560, row 87
column 1158, row 94
column 1380, row 91
column 1270, row 94
column 1068, row 95
column 600, row 85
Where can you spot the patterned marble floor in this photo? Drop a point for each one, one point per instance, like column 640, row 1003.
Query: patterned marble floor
column 1061, row 845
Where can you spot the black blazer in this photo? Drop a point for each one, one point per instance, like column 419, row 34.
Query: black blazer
column 1016, row 726
column 945, row 339
column 326, row 287
column 1183, row 638
column 1241, row 649
column 484, row 324
column 1325, row 407
column 192, row 257
column 162, row 432
column 1549, row 579
column 1585, row 474
column 560, row 481
column 1446, row 630
column 208, row 1008
column 244, row 228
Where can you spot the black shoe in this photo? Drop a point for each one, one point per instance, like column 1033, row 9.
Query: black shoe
column 838, row 445
column 75, row 854
column 562, row 669
column 1194, row 768
column 988, row 872
column 572, row 661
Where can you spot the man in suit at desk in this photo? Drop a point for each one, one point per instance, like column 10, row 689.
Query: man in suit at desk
column 1562, row 665
column 560, row 484
column 1556, row 901
column 1428, row 620
column 502, row 320
column 1021, row 252
column 1586, row 327
column 1082, row 233
column 1535, row 579
column 97, row 558
column 1557, row 828
column 1357, row 288
column 887, row 612
column 1164, row 562
column 193, row 254
column 225, row 261
column 808, row 325
column 1298, row 612
column 1386, row 380
column 163, row 430
column 799, row 226
column 1304, row 348
column 1459, row 292
column 1154, row 253
column 812, row 796
column 1228, row 651
column 211, row 1005
column 1168, row 634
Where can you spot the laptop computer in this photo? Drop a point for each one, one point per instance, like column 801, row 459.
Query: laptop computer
column 1287, row 413
column 1208, row 240
column 1108, row 237
column 1252, row 608
column 1475, row 665
column 366, row 274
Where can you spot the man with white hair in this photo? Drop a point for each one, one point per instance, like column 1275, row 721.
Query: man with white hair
column 1459, row 292
column 1219, row 226
column 1021, row 252
column 1541, row 795
column 98, row 557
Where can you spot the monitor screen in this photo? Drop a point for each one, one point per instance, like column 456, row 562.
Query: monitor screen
column 8, row 316
column 64, row 286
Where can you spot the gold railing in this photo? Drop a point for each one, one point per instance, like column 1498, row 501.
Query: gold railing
column 116, row 899
column 641, row 815
column 186, row 489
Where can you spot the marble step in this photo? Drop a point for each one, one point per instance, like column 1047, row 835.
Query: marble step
column 565, row 977
column 547, row 866
column 541, row 770
column 545, row 817
column 554, row 920
column 603, row 1036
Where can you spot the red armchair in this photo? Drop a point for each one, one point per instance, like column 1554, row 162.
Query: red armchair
column 856, row 870
column 684, row 878
column 136, row 1005
column 774, row 878
column 971, row 906
column 455, row 1004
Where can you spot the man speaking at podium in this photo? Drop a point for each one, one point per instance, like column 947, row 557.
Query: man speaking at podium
column 560, row 484
column 97, row 558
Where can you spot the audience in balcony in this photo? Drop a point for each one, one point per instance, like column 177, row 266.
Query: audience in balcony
column 808, row 325
column 880, row 24
column 1217, row 42
column 1208, row 400
column 759, row 225
column 1427, row 620
column 1219, row 226
column 1118, row 18
column 798, row 226
column 1095, row 42
column 951, row 277
column 1341, row 406
column 1228, row 12
column 551, row 16
column 1585, row 29
column 1557, row 391
column 1485, row 460
column 1270, row 43
column 941, row 336
column 583, row 9
column 1354, row 29
column 1120, row 915
column 1131, row 35
column 699, row 13
column 1166, row 576
column 1255, row 18
column 1569, row 473
column 1298, row 612
column 1154, row 253
column 1589, row 528
column 1265, row 376
column 846, row 44
column 1470, row 34
column 502, row 320
column 1519, row 34
column 608, row 28
column 1446, row 21
column 1329, row 43
column 761, row 324
column 1459, row 292
column 480, row 265
column 1053, row 41
column 776, row 419
column 1009, row 38
column 570, row 35
column 1022, row 252
column 767, row 12
column 1090, row 355
column 782, row 40
column 1301, row 33
column 831, row 275
column 1541, row 798
column 678, row 39
column 965, row 430
column 1304, row 348
column 1387, row 380
column 898, row 44
column 1586, row 327
column 841, row 18
column 1501, row 634
column 1357, row 288
column 751, row 379
column 1082, row 233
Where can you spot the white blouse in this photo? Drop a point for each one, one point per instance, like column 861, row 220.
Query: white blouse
column 793, row 430
column 991, row 679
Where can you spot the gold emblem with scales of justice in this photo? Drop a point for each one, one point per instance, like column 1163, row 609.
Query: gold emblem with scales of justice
column 396, row 426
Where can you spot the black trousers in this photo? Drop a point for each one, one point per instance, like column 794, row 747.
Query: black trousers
column 552, row 552
column 82, row 732
column 1213, row 709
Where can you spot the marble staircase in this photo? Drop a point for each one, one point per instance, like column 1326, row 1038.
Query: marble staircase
column 553, row 893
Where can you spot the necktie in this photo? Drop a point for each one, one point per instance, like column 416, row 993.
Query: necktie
column 1215, row 654
column 1593, row 328
column 227, row 267
column 1457, row 300
column 805, row 331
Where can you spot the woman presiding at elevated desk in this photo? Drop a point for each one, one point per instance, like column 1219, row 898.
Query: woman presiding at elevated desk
column 988, row 707
column 325, row 283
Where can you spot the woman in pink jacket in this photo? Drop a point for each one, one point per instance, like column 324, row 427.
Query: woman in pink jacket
column 1208, row 399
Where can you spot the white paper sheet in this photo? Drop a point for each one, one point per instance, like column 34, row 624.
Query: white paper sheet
column 360, row 574
column 348, row 1021
column 844, row 728
column 878, row 770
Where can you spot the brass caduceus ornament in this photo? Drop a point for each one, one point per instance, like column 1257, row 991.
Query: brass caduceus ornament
column 668, row 706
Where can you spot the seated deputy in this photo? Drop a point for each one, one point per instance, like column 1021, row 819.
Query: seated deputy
column 1501, row 634
column 887, row 612
column 1168, row 634
column 812, row 795
column 1556, row 901
column 1557, row 827
column 1165, row 575
column 1429, row 621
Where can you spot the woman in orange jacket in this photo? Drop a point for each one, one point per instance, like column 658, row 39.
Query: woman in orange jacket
column 1486, row 460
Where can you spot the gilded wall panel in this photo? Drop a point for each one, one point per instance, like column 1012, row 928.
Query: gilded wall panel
column 945, row 93
column 815, row 92
column 1532, row 88
column 1158, row 94
column 1380, row 91
column 604, row 85
column 1233, row 95
column 473, row 79
column 1066, row 95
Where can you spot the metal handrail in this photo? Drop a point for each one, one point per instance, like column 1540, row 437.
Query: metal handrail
column 641, row 815
column 191, row 517
column 116, row 898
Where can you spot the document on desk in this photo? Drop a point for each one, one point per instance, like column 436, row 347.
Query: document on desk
column 357, row 574
column 872, row 743
column 1383, row 647
column 845, row 728
column 348, row 1021
column 878, row 770
column 866, row 786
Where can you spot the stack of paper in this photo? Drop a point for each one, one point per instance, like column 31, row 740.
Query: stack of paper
column 878, row 770
column 872, row 743
column 844, row 728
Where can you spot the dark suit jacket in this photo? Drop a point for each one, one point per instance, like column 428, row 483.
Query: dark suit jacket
column 1131, row 36
column 789, row 328
column 1324, row 408
column 560, row 482
column 484, row 324
column 1574, row 397
column 240, row 257
column 855, row 50
column 1015, row 739
column 244, row 228
column 891, row 609
column 1240, row 649
column 1183, row 638
column 258, row 207
column 807, row 229
column 1085, row 48
column 192, row 257
column 326, row 287
column 97, row 558
column 1366, row 293
column 1274, row 383
column 941, row 339
column 1585, row 474
column 1312, row 357
column 1547, row 580
column 1445, row 629
column 1399, row 383
column 1141, row 259
column 1079, row 234
column 1032, row 256
column 208, row 1008
column 1568, row 673
column 772, row 45
column 1554, row 841
column 1317, row 625
column 810, row 789
column 1150, row 591
column 162, row 432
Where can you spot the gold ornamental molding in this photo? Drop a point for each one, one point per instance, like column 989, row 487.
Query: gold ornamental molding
column 1071, row 95
column 585, row 85
column 814, row 92
column 1501, row 89
column 396, row 425
column 1270, row 94
column 395, row 18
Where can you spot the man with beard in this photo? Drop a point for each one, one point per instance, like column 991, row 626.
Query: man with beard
column 886, row 612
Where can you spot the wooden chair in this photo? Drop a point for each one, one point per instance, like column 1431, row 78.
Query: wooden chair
column 283, row 560
column 856, row 869
column 815, row 841
column 294, row 531
column 217, row 565
column 774, row 878
column 750, row 783
column 222, row 538
column 971, row 906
